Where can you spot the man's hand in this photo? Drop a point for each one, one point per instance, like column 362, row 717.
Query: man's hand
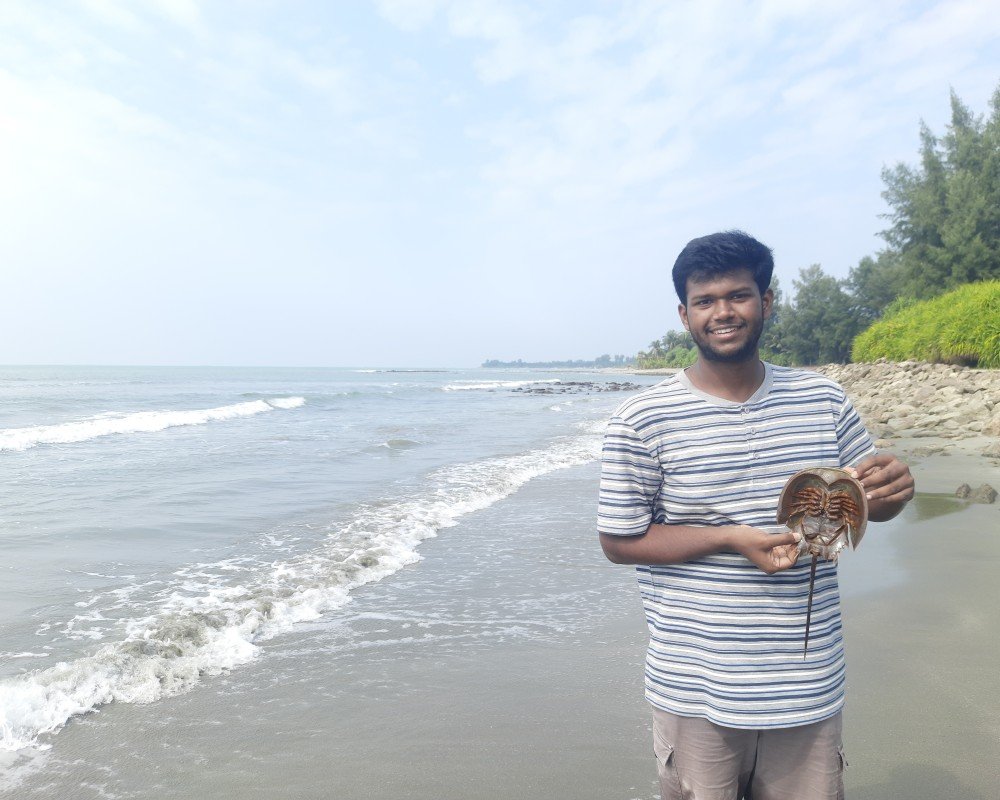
column 771, row 552
column 888, row 485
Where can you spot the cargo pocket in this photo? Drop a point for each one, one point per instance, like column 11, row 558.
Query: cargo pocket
column 670, row 780
column 842, row 762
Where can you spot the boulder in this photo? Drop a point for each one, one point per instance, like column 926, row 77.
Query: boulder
column 992, row 450
column 984, row 494
column 964, row 491
column 992, row 428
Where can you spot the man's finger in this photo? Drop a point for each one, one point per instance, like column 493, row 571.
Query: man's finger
column 875, row 465
column 866, row 464
column 784, row 539
column 901, row 490
column 890, row 484
column 878, row 475
column 784, row 556
column 886, row 476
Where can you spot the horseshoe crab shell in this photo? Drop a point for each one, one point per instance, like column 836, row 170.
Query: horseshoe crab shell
column 828, row 480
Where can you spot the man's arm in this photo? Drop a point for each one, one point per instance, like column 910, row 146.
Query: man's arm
column 673, row 544
column 888, row 485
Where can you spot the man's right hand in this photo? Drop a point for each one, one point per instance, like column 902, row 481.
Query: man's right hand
column 675, row 544
column 771, row 552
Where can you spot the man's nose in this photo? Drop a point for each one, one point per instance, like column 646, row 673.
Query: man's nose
column 722, row 309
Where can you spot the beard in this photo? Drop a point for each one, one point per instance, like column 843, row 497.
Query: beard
column 745, row 352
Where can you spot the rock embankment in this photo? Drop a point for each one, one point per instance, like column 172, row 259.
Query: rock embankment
column 916, row 399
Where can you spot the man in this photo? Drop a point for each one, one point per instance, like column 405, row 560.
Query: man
column 691, row 474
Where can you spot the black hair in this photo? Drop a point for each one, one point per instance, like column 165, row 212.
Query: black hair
column 720, row 253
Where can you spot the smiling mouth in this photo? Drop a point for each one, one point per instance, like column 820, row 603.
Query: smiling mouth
column 725, row 331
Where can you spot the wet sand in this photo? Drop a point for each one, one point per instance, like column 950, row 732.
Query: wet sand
column 923, row 710
column 508, row 663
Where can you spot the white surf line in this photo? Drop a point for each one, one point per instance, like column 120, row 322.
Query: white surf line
column 208, row 628
column 135, row 422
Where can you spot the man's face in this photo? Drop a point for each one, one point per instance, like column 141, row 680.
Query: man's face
column 725, row 316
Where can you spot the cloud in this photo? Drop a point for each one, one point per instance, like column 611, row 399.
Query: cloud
column 116, row 14
column 410, row 15
column 621, row 101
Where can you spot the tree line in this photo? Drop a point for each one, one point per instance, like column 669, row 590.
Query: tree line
column 943, row 232
column 602, row 361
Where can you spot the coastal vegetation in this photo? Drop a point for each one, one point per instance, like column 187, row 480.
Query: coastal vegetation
column 959, row 327
column 673, row 349
column 944, row 233
column 600, row 362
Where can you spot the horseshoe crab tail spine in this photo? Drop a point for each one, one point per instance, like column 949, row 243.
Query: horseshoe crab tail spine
column 809, row 605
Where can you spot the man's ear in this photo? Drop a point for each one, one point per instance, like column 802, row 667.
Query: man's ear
column 767, row 303
column 684, row 316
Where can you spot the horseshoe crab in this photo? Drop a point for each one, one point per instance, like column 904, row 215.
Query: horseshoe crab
column 828, row 507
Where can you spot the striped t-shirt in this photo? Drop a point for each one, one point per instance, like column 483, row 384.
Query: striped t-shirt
column 726, row 638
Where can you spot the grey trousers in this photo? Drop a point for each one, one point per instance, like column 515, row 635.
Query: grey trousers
column 699, row 760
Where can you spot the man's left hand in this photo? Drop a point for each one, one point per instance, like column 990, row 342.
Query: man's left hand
column 888, row 485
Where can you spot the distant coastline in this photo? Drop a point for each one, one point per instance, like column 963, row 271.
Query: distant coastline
column 601, row 362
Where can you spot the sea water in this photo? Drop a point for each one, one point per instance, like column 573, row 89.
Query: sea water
column 160, row 527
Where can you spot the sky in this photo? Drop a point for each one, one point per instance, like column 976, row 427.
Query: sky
column 406, row 183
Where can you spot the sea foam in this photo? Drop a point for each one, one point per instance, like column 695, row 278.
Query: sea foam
column 135, row 422
column 214, row 617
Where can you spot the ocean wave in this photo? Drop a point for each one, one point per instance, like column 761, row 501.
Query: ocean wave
column 287, row 402
column 467, row 386
column 214, row 617
column 135, row 422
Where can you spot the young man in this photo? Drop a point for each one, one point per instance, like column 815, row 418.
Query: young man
column 691, row 474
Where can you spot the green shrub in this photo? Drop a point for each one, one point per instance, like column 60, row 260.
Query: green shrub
column 960, row 327
column 676, row 357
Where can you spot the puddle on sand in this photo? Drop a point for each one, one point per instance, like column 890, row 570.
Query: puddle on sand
column 928, row 505
column 877, row 564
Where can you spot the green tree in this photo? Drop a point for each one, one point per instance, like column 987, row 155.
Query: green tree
column 771, row 347
column 818, row 326
column 673, row 349
column 945, row 214
column 872, row 285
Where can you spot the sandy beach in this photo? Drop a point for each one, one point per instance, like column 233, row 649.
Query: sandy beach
column 923, row 714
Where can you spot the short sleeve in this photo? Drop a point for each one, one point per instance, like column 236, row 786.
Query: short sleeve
column 852, row 437
column 630, row 481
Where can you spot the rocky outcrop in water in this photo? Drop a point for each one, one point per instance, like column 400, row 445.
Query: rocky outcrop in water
column 576, row 387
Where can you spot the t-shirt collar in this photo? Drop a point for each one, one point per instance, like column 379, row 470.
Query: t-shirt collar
column 760, row 394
